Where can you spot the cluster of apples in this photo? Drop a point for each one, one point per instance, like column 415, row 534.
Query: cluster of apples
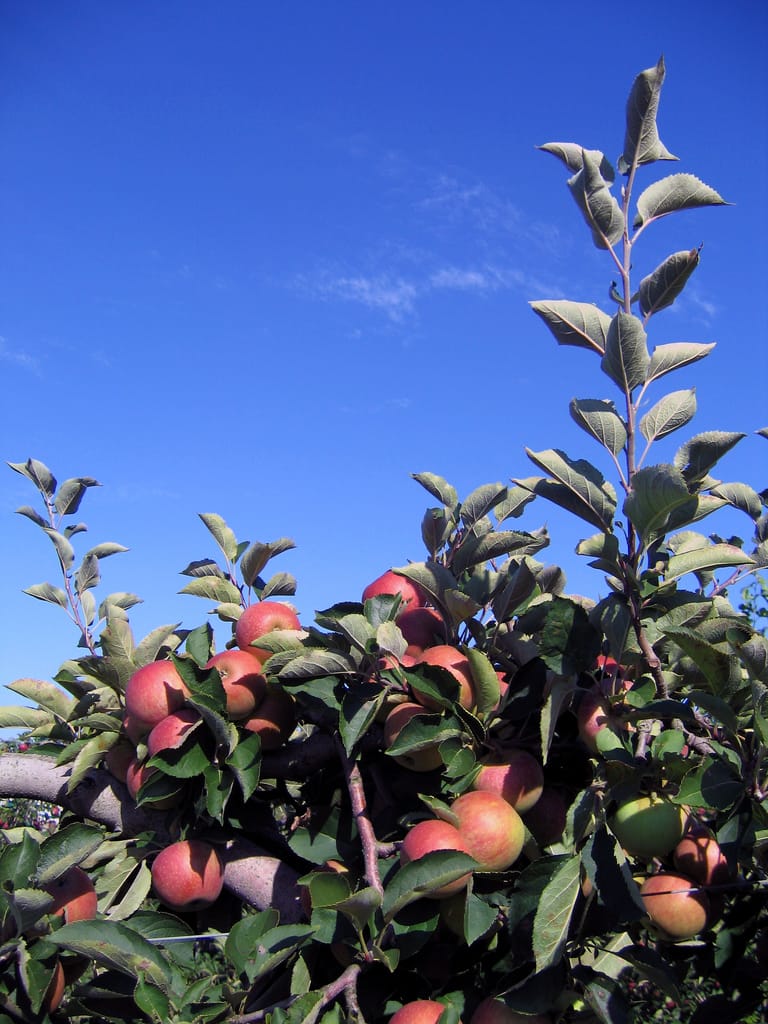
column 188, row 874
column 489, row 1011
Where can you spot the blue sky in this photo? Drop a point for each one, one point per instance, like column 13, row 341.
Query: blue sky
column 267, row 260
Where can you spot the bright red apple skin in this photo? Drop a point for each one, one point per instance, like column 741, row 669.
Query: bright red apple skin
column 494, row 1011
column 491, row 828
column 74, row 896
column 426, row 760
column 422, row 627
column 154, row 691
column 420, row 1011
column 391, row 583
column 261, row 618
column 675, row 905
column 452, row 659
column 274, row 719
column 55, row 991
column 244, row 683
column 172, row 731
column 428, row 836
column 518, row 778
column 187, row 875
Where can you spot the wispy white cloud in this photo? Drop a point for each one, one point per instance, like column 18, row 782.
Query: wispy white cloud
column 481, row 205
column 16, row 357
column 389, row 294
column 692, row 303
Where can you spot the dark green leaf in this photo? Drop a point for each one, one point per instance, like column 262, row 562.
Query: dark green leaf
column 568, row 642
column 711, row 784
column 479, row 503
column 553, row 914
column 65, row 848
column 245, row 762
column 423, row 876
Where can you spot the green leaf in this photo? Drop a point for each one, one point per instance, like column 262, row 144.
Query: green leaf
column 666, row 358
column 626, row 358
column 420, row 877
column 660, row 288
column 213, row 588
column 66, row 848
column 218, row 788
column 116, row 639
column 106, row 549
column 152, row 1001
column 150, row 646
column 315, row 663
column 115, row 945
column 655, row 493
column 89, row 756
column 487, row 688
column 245, row 763
column 697, row 456
column 603, row 548
column 479, row 550
column 358, row 713
column 568, row 643
column 221, row 533
column 711, row 784
column 438, row 488
column 70, row 494
column 256, row 950
column 740, row 496
column 642, row 144
column 87, row 576
column 595, row 499
column 669, row 414
column 258, row 555
column 715, row 556
column 553, row 915
column 24, row 718
column 47, row 592
column 675, row 192
column 580, row 324
column 64, row 549
column 360, row 906
column 600, row 419
column 599, row 207
column 480, row 502
column 38, row 473
column 31, row 513
column 281, row 584
column 572, row 155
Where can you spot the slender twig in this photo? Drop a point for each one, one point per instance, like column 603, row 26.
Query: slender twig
column 368, row 839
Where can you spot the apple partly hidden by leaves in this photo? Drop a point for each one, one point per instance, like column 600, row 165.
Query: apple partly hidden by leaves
column 516, row 776
column 74, row 896
column 274, row 719
column 243, row 681
column 137, row 774
column 491, row 828
column 390, row 582
column 54, row 993
column 187, row 875
column 258, row 620
column 154, row 691
column 699, row 856
column 425, row 760
column 547, row 818
column 454, row 661
column 494, row 1011
column 422, row 627
column 427, row 837
column 675, row 905
column 172, row 731
column 648, row 826
column 420, row 1011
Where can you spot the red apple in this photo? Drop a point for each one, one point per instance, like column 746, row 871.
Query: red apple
column 428, row 836
column 261, row 618
column 422, row 627
column 420, row 1011
column 54, row 993
column 390, row 582
column 172, row 731
column 699, row 856
column 135, row 728
column 491, row 828
column 274, row 719
column 154, row 691
column 450, row 658
column 74, row 896
column 187, row 875
column 517, row 776
column 136, row 775
column 675, row 905
column 494, row 1011
column 425, row 760
column 243, row 681
column 117, row 759
column 546, row 819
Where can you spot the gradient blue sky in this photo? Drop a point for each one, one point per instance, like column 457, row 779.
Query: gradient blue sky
column 267, row 260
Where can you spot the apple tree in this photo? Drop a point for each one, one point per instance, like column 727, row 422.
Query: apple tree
column 466, row 794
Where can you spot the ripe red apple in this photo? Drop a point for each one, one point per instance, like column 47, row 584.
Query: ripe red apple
column 699, row 856
column 55, row 991
column 261, row 618
column 648, row 826
column 244, row 683
column 491, row 828
column 188, row 875
column 593, row 714
column 274, row 719
column 74, row 896
column 494, row 1011
column 390, row 582
column 172, row 731
column 546, row 819
column 516, row 775
column 154, row 691
column 428, row 836
column 136, row 775
column 452, row 659
column 135, row 728
column 675, row 905
column 117, row 759
column 420, row 1011
column 425, row 760
column 422, row 627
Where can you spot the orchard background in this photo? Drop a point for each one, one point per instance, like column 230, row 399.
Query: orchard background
column 465, row 791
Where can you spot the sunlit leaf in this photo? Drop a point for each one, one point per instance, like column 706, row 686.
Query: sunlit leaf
column 47, row 592
column 697, row 456
column 600, row 208
column 666, row 358
column 715, row 556
column 626, row 358
column 553, row 916
column 595, row 499
column 669, row 414
column 600, row 419
column 580, row 324
column 438, row 488
column 642, row 144
column 660, row 288
column 675, row 192
column 222, row 534
column 572, row 155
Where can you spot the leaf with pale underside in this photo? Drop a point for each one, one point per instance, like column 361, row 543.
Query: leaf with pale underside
column 600, row 419
column 438, row 488
column 740, row 496
column 553, row 914
column 599, row 206
column 213, row 588
column 221, row 533
column 714, row 556
column 480, row 502
column 38, row 473
column 595, row 498
column 572, row 155
column 675, row 192
column 669, row 414
column 580, row 324
column 660, row 288
column 656, row 492
column 698, row 455
column 666, row 358
column 47, row 592
column 70, row 494
column 642, row 144
column 626, row 357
